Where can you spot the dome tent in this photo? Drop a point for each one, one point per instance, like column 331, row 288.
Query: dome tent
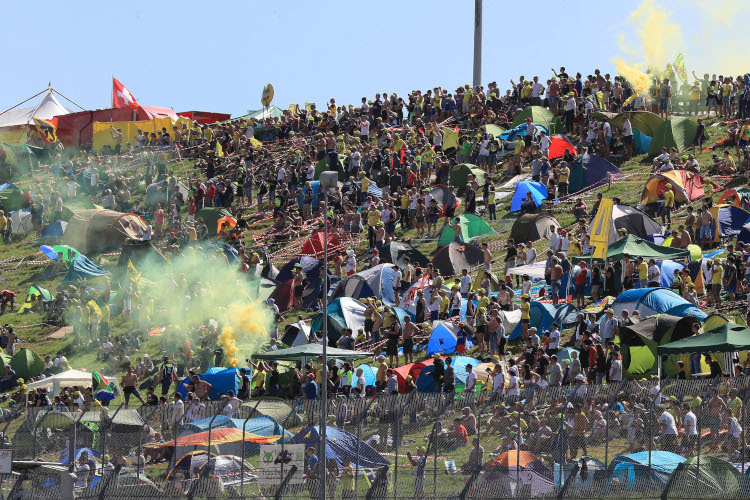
column 395, row 251
column 458, row 176
column 451, row 259
column 310, row 267
column 643, row 470
column 543, row 315
column 538, row 114
column 650, row 301
column 341, row 444
column 538, row 193
column 343, row 312
column 54, row 231
column 533, row 227
column 296, row 334
column 96, row 230
column 687, row 186
column 472, row 227
column 426, row 382
column 26, row 363
column 590, row 170
column 10, row 197
column 373, row 282
column 440, row 193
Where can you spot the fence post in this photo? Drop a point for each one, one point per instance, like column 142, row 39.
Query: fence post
column 242, row 457
column 744, row 444
column 518, row 456
column 436, row 443
column 606, row 439
column 397, row 443
column 698, row 459
column 73, row 439
column 359, row 440
column 36, row 426
column 104, row 434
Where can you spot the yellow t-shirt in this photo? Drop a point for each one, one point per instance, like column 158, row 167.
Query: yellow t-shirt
column 208, row 134
column 3, row 223
column 365, row 184
column 525, row 310
column 735, row 406
column 380, row 377
column 444, row 304
column 708, row 190
column 404, row 202
column 564, row 174
column 727, row 89
column 668, row 198
column 491, row 198
column 260, row 379
column 718, row 274
column 373, row 216
column 105, row 313
column 428, row 155
column 642, row 271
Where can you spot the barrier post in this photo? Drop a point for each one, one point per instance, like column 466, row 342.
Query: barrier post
column 436, row 444
column 360, row 419
column 242, row 458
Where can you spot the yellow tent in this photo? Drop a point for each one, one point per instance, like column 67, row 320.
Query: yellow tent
column 103, row 134
column 601, row 228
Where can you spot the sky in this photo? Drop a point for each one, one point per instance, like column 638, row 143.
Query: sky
column 217, row 56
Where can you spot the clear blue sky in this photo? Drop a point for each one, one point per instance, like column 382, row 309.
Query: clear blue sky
column 217, row 56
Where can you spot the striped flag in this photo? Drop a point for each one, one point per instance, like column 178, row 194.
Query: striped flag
column 98, row 380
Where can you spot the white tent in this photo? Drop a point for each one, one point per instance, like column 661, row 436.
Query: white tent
column 20, row 221
column 47, row 108
column 296, row 334
column 535, row 270
column 67, row 378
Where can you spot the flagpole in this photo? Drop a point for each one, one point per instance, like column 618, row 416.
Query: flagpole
column 112, row 97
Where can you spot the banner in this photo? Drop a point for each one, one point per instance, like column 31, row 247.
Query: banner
column 267, row 96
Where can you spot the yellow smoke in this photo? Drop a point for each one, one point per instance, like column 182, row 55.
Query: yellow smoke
column 246, row 324
column 228, row 342
column 659, row 39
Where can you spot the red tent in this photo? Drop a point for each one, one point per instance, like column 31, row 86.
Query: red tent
column 150, row 112
column 283, row 295
column 401, row 373
column 205, row 117
column 77, row 129
column 416, row 368
column 559, row 144
column 315, row 246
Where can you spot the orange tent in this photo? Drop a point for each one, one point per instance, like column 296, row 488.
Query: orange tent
column 225, row 221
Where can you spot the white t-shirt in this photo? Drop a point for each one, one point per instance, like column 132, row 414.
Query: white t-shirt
column 465, row 284
column 526, row 287
column 554, row 240
column 537, row 89
column 615, row 371
column 531, row 256
column 178, row 409
column 361, row 384
column 498, row 382
column 364, row 125
column 545, row 143
column 654, row 273
column 667, row 419
column 554, row 339
column 397, row 278
column 531, row 129
column 513, row 389
column 471, row 380
column 457, row 301
column 689, row 422
column 351, row 264
column 570, row 104
column 82, row 475
column 735, row 429
column 61, row 359
column 72, row 188
column 607, row 129
column 228, row 410
column 627, row 128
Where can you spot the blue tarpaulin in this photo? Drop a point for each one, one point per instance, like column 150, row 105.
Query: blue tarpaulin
column 55, row 230
column 538, row 192
column 511, row 134
column 82, row 269
column 221, row 380
column 339, row 445
column 641, row 470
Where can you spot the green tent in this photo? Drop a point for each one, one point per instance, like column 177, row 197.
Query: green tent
column 69, row 253
column 638, row 247
column 728, row 337
column 678, row 132
column 311, row 351
column 273, row 111
column 646, row 122
column 36, row 291
column 472, row 227
column 26, row 363
column 459, row 176
column 493, row 130
column 325, row 165
column 707, row 477
column 538, row 115
column 4, row 360
column 10, row 197
column 211, row 216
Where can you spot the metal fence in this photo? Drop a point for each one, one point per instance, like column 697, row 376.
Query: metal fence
column 613, row 441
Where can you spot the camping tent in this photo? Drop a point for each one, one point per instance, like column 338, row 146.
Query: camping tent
column 395, row 251
column 37, row 293
column 707, row 477
column 644, row 470
column 581, row 476
column 677, row 132
column 728, row 337
column 26, row 363
column 296, row 334
column 538, row 193
column 639, row 342
column 225, row 441
column 426, row 382
column 68, row 378
column 442, row 338
column 20, row 222
column 339, row 445
column 543, row 315
column 10, row 197
column 227, row 468
column 493, row 130
column 459, row 176
column 641, row 142
column 261, row 425
column 590, row 170
column 533, row 227
column 96, row 230
column 315, row 245
column 143, row 255
column 504, row 471
column 538, row 114
column 729, row 197
column 343, row 312
column 439, row 193
column 159, row 192
column 730, row 220
column 83, row 268
column 559, row 144
column 373, row 282
column 667, row 269
column 283, row 295
column 644, row 121
column 611, row 218
column 211, row 216
column 687, row 186
column 311, row 351
column 55, row 231
column 310, row 267
column 638, row 247
column 472, row 227
column 451, row 259
column 650, row 301
column 520, row 131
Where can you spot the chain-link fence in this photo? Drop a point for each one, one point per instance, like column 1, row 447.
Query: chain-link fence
column 639, row 439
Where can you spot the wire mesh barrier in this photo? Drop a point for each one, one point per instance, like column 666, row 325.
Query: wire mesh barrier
column 631, row 439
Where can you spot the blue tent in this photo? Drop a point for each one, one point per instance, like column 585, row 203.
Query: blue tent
column 538, row 192
column 7, row 185
column 641, row 142
column 92, row 453
column 744, row 235
column 82, row 269
column 340, row 444
column 543, row 315
column 368, row 372
column 589, row 170
column 426, row 383
column 373, row 282
column 520, row 130
column 667, row 270
column 650, row 301
column 443, row 338
column 221, row 380
column 634, row 473
column 343, row 312
column 262, row 426
column 730, row 220
column 55, row 230
column 310, row 266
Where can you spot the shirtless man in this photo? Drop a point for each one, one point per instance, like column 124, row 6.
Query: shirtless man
column 377, row 323
column 129, row 382
column 487, row 257
column 716, row 408
column 628, row 270
column 369, row 311
column 337, row 262
column 410, row 330
column 201, row 388
column 555, row 274
column 116, row 134
column 298, row 287
column 497, row 344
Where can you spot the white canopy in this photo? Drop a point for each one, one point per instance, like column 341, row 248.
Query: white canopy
column 47, row 108
column 535, row 270
column 67, row 378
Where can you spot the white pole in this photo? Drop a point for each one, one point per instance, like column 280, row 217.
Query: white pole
column 477, row 80
column 324, row 390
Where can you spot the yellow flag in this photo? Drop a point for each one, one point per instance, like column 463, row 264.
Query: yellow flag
column 133, row 273
column 47, row 130
column 679, row 68
column 267, row 96
column 309, row 106
column 600, row 100
column 294, row 108
column 219, row 149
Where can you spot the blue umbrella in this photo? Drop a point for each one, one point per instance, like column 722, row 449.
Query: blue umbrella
column 48, row 251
